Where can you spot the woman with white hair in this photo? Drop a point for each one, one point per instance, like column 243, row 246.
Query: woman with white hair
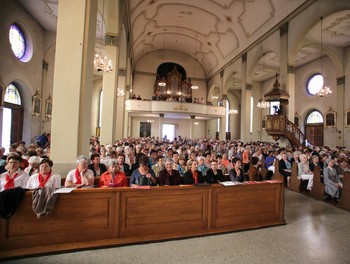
column 304, row 172
column 81, row 176
column 33, row 167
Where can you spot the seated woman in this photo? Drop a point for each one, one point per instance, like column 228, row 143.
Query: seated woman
column 333, row 184
column 169, row 176
column 254, row 171
column 45, row 178
column 96, row 166
column 113, row 177
column 33, row 166
column 193, row 176
column 236, row 173
column 304, row 172
column 14, row 176
column 214, row 175
column 285, row 167
column 81, row 176
column 143, row 175
column 182, row 167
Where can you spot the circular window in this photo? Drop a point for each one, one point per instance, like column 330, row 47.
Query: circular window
column 17, row 41
column 315, row 84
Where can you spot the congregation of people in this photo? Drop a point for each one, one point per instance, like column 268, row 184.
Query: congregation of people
column 133, row 162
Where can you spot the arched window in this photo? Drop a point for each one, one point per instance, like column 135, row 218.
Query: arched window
column 12, row 95
column 315, row 84
column 17, row 41
column 314, row 118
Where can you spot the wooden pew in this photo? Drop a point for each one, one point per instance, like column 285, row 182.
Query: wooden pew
column 295, row 183
column 97, row 217
column 345, row 195
column 263, row 168
column 318, row 187
column 277, row 175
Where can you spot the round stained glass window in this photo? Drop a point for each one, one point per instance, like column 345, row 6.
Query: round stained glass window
column 17, row 41
column 315, row 84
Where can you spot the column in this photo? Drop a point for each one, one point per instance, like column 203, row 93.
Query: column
column 71, row 128
column 340, row 110
column 192, row 120
column 287, row 73
column 245, row 109
column 161, row 122
column 109, row 120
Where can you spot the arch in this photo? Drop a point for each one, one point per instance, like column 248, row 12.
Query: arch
column 309, row 23
column 314, row 117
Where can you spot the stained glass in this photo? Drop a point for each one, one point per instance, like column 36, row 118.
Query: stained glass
column 12, row 95
column 17, row 41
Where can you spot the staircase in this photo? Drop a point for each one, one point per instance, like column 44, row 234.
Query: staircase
column 279, row 126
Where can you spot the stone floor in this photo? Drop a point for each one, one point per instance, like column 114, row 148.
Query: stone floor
column 316, row 232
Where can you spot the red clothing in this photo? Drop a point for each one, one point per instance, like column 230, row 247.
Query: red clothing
column 118, row 181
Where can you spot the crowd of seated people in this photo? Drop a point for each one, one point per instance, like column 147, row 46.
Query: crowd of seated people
column 153, row 161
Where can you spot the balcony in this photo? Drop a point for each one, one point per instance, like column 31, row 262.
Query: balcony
column 169, row 109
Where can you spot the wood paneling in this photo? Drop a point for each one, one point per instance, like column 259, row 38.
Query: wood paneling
column 115, row 216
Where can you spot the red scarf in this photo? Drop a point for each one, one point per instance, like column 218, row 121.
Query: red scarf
column 195, row 177
column 10, row 182
column 42, row 180
column 77, row 177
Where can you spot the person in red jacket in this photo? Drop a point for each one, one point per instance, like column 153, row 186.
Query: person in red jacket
column 113, row 177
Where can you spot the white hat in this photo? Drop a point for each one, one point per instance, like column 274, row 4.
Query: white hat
column 34, row 160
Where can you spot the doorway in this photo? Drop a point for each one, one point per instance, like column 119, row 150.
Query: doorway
column 169, row 131
column 314, row 128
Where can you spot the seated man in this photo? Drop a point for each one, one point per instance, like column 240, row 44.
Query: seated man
column 113, row 177
column 158, row 166
column 81, row 176
column 214, row 175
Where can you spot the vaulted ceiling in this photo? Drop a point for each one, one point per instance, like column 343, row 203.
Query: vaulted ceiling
column 214, row 32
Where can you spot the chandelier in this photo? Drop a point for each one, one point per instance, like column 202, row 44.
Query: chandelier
column 263, row 104
column 324, row 90
column 120, row 92
column 233, row 111
column 162, row 83
column 102, row 63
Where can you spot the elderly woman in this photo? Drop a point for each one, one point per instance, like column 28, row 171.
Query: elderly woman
column 81, row 176
column 143, row 175
column 45, row 178
column 14, row 176
column 333, row 184
column 169, row 176
column 304, row 172
column 33, row 167
column 193, row 176
column 113, row 177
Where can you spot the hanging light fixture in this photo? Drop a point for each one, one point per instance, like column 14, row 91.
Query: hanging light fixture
column 102, row 63
column 195, row 87
column 324, row 90
column 233, row 111
column 262, row 103
column 120, row 92
column 162, row 83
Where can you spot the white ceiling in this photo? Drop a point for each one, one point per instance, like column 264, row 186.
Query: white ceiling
column 212, row 31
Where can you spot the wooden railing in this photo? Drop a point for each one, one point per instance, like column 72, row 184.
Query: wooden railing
column 88, row 218
column 279, row 125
